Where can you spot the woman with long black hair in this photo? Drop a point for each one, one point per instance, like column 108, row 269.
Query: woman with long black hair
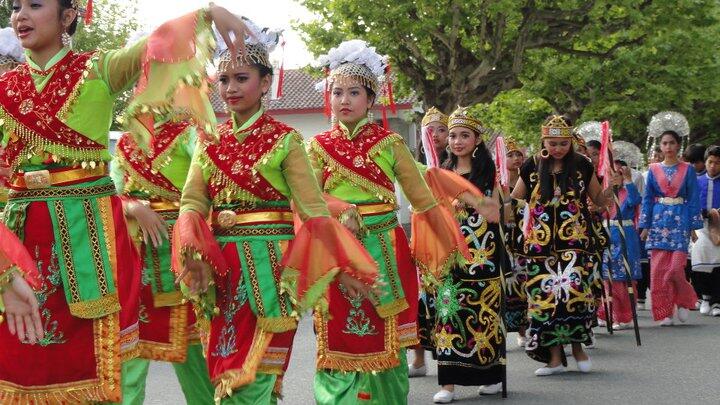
column 469, row 331
column 555, row 187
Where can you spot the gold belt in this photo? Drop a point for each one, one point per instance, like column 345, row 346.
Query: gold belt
column 375, row 209
column 39, row 179
column 163, row 205
column 230, row 218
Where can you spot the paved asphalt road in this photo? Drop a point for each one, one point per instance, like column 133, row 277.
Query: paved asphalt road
column 676, row 365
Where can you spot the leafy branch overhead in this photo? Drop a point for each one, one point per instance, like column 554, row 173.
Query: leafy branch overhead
column 466, row 52
column 566, row 55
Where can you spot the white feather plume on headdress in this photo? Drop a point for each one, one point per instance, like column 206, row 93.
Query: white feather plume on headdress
column 668, row 121
column 265, row 37
column 358, row 52
column 355, row 51
column 10, row 45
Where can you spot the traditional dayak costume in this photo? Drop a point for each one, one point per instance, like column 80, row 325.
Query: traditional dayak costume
column 63, row 206
column 558, row 247
column 469, row 330
column 516, row 304
column 167, row 324
column 265, row 273
column 360, row 342
column 670, row 210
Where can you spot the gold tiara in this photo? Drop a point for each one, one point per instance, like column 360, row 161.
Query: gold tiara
column 353, row 71
column 556, row 127
column 461, row 118
column 255, row 54
column 434, row 115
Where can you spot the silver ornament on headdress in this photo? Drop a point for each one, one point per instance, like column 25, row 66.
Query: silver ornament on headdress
column 630, row 153
column 667, row 121
column 355, row 60
column 590, row 131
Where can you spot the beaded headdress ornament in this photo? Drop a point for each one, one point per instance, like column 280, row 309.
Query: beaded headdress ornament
column 434, row 115
column 461, row 118
column 257, row 47
column 556, row 127
column 663, row 122
column 355, row 61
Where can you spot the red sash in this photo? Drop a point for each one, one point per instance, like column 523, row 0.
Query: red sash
column 354, row 157
column 236, row 160
column 145, row 164
column 669, row 188
column 39, row 115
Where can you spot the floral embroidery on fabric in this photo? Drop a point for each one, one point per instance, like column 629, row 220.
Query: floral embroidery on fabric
column 357, row 321
column 228, row 334
column 50, row 281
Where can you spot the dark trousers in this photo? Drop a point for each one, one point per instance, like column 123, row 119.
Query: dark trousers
column 644, row 283
column 708, row 284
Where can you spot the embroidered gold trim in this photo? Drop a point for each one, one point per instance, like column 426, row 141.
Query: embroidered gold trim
column 95, row 247
column 105, row 387
column 59, row 193
column 169, row 299
column 255, row 287
column 108, row 304
column 175, row 350
column 66, row 250
column 240, row 231
column 226, row 382
column 365, row 362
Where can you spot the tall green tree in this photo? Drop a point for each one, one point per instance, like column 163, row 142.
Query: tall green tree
column 468, row 51
column 674, row 68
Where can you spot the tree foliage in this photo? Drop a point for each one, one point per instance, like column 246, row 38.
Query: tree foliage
column 674, row 68
column 465, row 52
column 621, row 60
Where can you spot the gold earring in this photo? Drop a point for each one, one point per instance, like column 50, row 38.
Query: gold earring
column 544, row 153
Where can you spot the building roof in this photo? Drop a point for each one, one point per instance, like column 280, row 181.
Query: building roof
column 299, row 95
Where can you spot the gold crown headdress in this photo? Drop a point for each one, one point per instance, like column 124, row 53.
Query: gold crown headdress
column 511, row 145
column 556, row 127
column 434, row 115
column 461, row 118
column 257, row 48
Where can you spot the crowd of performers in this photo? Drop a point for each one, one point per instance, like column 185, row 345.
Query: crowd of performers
column 202, row 244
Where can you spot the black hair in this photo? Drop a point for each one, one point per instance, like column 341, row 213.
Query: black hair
column 482, row 170
column 657, row 149
column 593, row 144
column 713, row 150
column 694, row 153
column 671, row 133
column 67, row 5
column 566, row 177
column 621, row 162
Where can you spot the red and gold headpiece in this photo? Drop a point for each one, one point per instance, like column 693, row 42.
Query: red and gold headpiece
column 557, row 127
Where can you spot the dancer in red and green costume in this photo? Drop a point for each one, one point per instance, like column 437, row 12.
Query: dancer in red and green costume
column 56, row 111
column 151, row 183
column 361, row 356
column 264, row 273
